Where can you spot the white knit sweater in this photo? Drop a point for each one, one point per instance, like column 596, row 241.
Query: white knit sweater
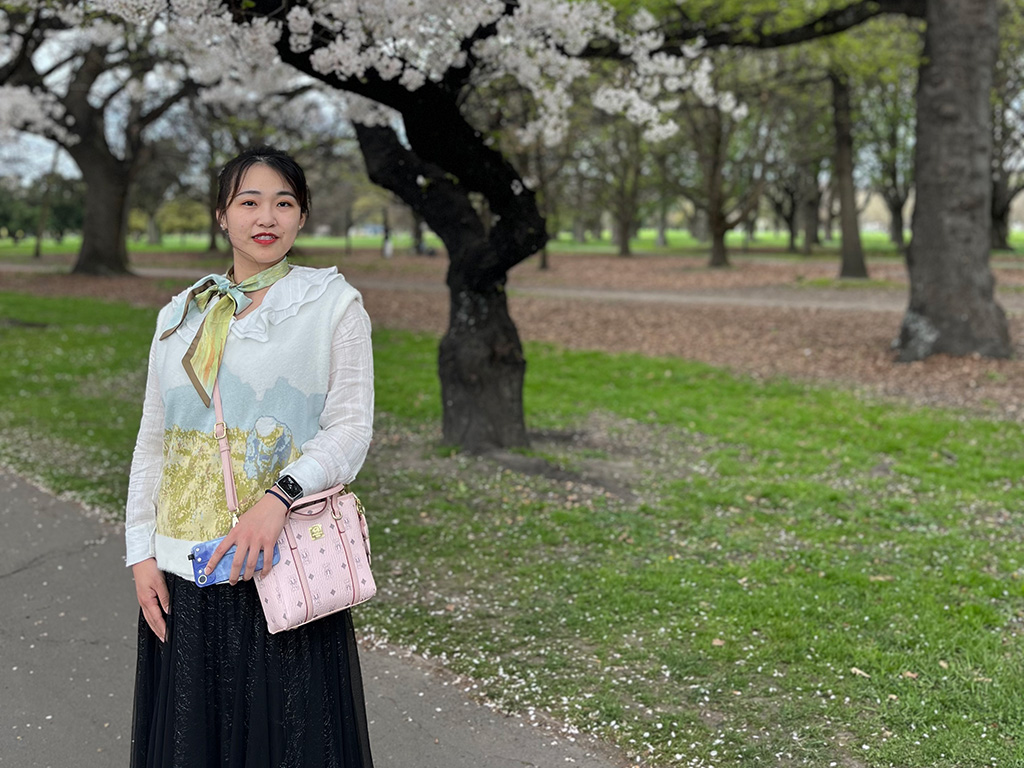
column 297, row 386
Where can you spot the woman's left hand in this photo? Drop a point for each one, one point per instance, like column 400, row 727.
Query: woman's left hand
column 257, row 530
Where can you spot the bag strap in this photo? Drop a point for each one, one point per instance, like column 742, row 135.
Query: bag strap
column 220, row 431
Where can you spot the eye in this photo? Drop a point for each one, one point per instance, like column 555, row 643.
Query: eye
column 285, row 203
column 248, row 202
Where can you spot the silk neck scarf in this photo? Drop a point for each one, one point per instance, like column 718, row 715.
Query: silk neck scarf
column 202, row 359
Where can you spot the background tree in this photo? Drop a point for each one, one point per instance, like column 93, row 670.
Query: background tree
column 1007, row 121
column 624, row 162
column 156, row 181
column 729, row 151
column 952, row 305
column 98, row 84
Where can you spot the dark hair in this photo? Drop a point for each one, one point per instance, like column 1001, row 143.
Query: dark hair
column 231, row 175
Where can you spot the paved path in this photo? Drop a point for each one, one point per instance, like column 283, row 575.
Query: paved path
column 67, row 661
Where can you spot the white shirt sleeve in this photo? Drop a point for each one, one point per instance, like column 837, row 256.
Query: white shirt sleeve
column 335, row 454
column 147, row 464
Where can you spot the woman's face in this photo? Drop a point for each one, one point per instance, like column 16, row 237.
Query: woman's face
column 261, row 221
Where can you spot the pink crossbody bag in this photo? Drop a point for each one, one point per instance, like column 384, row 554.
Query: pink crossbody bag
column 324, row 545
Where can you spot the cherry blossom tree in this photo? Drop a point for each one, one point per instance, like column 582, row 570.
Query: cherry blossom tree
column 408, row 67
column 97, row 78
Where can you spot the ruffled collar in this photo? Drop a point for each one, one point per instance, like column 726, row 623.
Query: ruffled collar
column 283, row 300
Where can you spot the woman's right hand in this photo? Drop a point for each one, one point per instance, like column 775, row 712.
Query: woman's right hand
column 154, row 599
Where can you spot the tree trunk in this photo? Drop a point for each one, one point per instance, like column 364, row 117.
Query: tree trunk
column 792, row 230
column 719, row 228
column 623, row 225
column 579, row 230
column 698, row 226
column 543, row 261
column 896, row 222
column 810, row 201
column 104, row 230
column 480, row 360
column 719, row 254
column 1001, row 200
column 153, row 236
column 417, row 234
column 952, row 303
column 852, row 259
column 662, row 239
column 481, row 366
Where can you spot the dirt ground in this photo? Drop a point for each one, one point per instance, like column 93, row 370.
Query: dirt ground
column 761, row 317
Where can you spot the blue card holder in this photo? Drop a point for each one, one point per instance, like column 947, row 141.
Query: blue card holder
column 201, row 554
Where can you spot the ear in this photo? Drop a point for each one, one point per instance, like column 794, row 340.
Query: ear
column 222, row 220
column 302, row 221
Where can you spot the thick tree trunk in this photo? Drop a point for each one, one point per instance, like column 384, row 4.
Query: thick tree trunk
column 952, row 303
column 481, row 366
column 104, row 230
column 852, row 254
column 719, row 229
column 480, row 361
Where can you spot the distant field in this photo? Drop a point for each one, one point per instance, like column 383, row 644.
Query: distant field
column 680, row 241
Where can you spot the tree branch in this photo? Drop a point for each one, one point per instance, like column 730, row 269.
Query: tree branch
column 686, row 31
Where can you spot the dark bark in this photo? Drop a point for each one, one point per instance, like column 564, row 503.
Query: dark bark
column 1002, row 198
column 810, row 202
column 784, row 197
column 852, row 254
column 896, row 223
column 480, row 361
column 952, row 303
column 104, row 230
column 623, row 229
column 719, row 253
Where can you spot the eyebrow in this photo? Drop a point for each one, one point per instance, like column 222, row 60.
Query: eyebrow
column 280, row 193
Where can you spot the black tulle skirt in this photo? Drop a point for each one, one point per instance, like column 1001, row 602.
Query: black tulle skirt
column 222, row 692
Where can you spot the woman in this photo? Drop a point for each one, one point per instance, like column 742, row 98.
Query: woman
column 289, row 349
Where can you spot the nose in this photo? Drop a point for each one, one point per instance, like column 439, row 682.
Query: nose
column 266, row 217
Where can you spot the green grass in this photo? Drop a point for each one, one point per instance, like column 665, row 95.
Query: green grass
column 778, row 537
column 875, row 244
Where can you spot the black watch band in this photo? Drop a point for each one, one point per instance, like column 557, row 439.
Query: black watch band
column 289, row 486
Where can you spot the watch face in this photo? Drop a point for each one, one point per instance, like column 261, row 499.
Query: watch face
column 288, row 485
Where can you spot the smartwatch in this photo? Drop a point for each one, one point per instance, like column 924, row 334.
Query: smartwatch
column 289, row 486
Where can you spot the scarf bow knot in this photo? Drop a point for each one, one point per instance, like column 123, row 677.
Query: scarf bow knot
column 203, row 357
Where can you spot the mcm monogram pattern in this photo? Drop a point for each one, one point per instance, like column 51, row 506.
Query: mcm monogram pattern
column 325, row 561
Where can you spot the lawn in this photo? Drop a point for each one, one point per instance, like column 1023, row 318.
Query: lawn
column 875, row 244
column 705, row 569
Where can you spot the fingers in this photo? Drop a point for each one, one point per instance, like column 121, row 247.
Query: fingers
column 154, row 615
column 241, row 557
column 268, row 563
column 219, row 552
column 163, row 596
